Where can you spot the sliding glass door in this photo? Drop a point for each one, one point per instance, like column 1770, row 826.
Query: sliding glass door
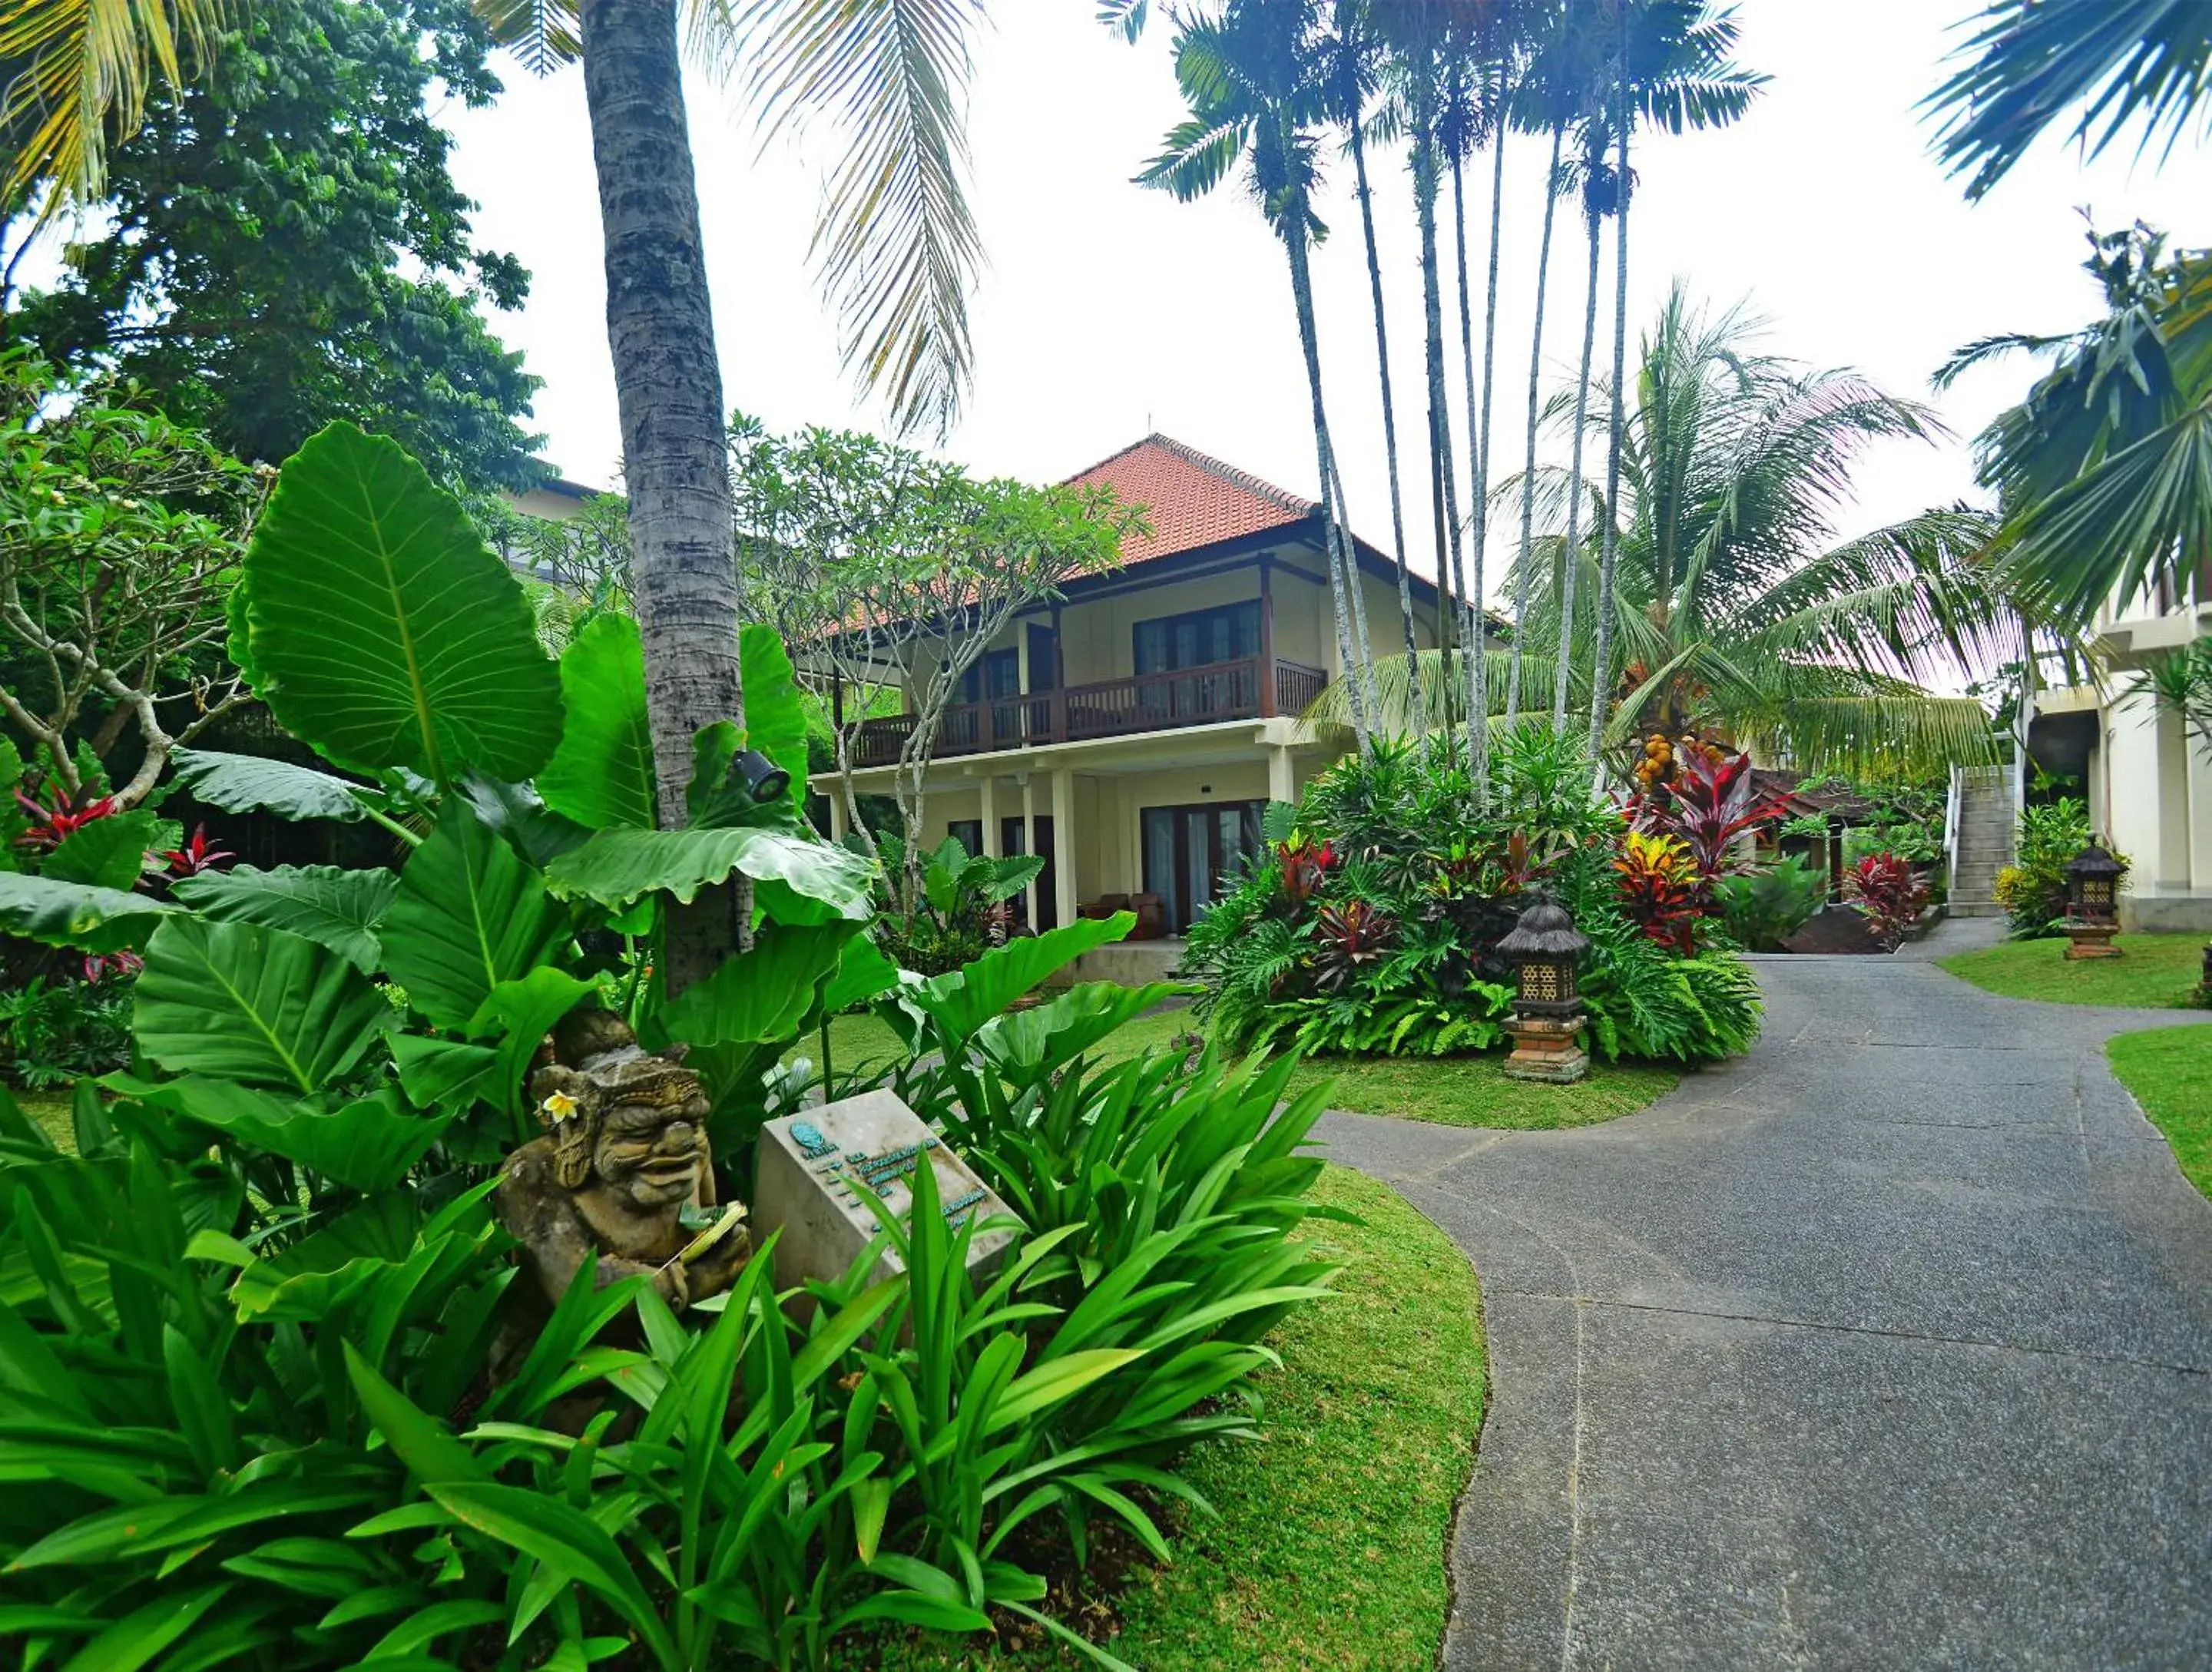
column 1190, row 853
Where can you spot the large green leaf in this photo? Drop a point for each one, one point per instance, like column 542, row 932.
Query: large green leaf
column 602, row 774
column 324, row 903
column 384, row 631
column 246, row 1003
column 961, row 1001
column 616, row 867
column 249, row 784
column 108, row 853
column 764, row 994
column 1025, row 1045
column 366, row 1145
column 521, row 1012
column 57, row 914
column 863, row 973
column 469, row 915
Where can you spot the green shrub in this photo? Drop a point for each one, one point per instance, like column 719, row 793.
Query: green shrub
column 2033, row 888
column 1762, row 909
column 51, row 1032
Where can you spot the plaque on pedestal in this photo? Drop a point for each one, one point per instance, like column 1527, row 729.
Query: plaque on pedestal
column 810, row 1165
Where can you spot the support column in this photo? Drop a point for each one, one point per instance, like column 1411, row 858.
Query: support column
column 1282, row 781
column 1266, row 638
column 836, row 797
column 1030, row 840
column 990, row 817
column 1063, row 844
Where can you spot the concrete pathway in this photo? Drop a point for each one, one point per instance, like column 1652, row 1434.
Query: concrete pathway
column 1888, row 1345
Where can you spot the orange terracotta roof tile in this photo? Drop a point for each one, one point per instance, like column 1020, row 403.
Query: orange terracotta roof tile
column 1191, row 498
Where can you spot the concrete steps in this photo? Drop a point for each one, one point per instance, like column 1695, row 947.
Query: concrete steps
column 1985, row 842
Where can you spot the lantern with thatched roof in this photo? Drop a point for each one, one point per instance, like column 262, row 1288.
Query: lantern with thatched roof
column 1547, row 1023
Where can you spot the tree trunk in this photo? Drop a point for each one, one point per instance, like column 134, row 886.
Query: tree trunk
column 1416, row 712
column 1445, row 492
column 1536, row 409
column 1341, row 573
column 668, row 390
column 1601, row 683
column 1571, row 561
column 1478, row 448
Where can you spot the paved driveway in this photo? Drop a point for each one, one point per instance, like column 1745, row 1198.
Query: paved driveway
column 1889, row 1346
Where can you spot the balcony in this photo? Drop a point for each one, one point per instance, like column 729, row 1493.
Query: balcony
column 1110, row 708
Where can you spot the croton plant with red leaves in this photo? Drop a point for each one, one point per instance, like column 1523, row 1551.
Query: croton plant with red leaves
column 1305, row 867
column 196, row 856
column 1890, row 894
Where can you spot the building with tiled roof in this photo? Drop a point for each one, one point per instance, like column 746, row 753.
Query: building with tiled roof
column 1133, row 730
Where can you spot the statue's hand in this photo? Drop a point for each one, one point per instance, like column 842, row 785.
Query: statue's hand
column 715, row 1270
column 673, row 1284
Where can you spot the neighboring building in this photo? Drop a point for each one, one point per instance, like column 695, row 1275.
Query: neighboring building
column 555, row 499
column 2147, row 784
column 1133, row 731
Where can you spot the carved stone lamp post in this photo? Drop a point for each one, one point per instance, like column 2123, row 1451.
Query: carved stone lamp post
column 1547, row 1023
column 2092, row 882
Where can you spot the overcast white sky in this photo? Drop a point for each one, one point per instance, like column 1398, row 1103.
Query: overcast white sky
column 1108, row 310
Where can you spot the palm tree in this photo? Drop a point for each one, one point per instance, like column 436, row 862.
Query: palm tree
column 1671, row 67
column 1254, row 80
column 1482, row 75
column 1735, row 612
column 1352, row 54
column 2118, row 62
column 1669, row 57
column 2105, row 471
column 1547, row 97
column 899, row 249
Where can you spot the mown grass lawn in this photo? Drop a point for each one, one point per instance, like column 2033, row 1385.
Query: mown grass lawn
column 2156, row 972
column 1464, row 1091
column 2169, row 1072
column 1330, row 1543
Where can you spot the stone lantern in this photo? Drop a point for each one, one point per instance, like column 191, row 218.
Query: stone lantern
column 1547, row 1023
column 2092, row 883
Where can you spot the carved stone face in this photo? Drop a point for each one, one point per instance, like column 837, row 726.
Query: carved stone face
column 652, row 1155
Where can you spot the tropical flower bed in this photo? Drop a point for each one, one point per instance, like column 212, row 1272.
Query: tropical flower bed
column 1369, row 922
column 249, row 1407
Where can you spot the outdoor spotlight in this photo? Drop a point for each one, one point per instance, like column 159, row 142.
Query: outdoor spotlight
column 764, row 779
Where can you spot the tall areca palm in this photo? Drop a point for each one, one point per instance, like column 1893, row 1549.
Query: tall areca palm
column 1671, row 68
column 1254, row 76
column 1668, row 61
column 1735, row 608
column 1484, row 53
column 897, row 245
column 1353, row 50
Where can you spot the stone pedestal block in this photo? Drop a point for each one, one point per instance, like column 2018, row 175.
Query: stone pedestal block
column 1546, row 1049
column 810, row 1171
column 2091, row 940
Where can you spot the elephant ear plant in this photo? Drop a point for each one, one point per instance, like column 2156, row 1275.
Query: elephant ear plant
column 244, row 1416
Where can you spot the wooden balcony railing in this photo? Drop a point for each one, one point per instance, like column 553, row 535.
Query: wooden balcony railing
column 1111, row 707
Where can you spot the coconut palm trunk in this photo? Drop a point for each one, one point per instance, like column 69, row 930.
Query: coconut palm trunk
column 1535, row 411
column 1416, row 710
column 1343, row 573
column 668, row 391
column 1601, row 681
column 1570, row 557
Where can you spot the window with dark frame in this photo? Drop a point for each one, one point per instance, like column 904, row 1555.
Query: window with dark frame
column 1197, row 638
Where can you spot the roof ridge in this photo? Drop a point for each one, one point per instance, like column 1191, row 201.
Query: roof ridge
column 1259, row 487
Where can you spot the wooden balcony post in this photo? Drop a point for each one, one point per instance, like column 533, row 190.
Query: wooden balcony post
column 1266, row 638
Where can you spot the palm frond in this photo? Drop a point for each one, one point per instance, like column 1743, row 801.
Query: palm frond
column 81, row 71
column 1393, row 690
column 542, row 34
column 1883, row 734
column 896, row 239
column 1127, row 18
column 2118, row 62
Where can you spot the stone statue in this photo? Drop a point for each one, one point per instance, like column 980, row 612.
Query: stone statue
column 623, row 1170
